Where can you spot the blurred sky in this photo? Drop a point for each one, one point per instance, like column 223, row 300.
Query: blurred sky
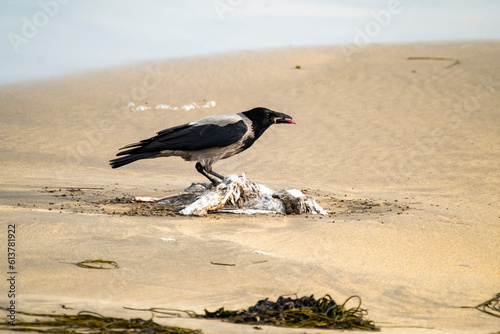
column 44, row 38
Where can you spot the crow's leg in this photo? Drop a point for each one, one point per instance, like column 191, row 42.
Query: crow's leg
column 216, row 174
column 204, row 172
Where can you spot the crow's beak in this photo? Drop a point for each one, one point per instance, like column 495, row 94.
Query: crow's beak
column 283, row 118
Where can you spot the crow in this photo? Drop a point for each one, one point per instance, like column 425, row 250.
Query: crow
column 205, row 141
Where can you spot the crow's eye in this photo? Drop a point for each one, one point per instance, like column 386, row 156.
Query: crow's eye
column 268, row 115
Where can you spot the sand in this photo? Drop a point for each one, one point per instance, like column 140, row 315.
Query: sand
column 404, row 153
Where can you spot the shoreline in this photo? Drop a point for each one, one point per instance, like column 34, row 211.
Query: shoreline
column 237, row 53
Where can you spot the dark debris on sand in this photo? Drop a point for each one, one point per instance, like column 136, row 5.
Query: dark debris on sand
column 305, row 312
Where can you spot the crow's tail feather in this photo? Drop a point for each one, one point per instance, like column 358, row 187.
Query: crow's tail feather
column 118, row 162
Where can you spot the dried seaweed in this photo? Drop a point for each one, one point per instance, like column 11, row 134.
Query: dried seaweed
column 306, row 312
column 167, row 312
column 455, row 61
column 97, row 264
column 90, row 322
column 222, row 264
column 491, row 306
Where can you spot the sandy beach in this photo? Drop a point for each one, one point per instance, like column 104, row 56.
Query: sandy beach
column 405, row 153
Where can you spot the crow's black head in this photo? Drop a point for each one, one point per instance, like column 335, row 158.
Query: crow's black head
column 263, row 118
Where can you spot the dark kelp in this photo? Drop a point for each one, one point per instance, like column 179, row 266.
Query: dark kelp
column 300, row 312
column 90, row 322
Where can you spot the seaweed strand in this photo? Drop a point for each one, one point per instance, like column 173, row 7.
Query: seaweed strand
column 455, row 61
column 90, row 322
column 491, row 306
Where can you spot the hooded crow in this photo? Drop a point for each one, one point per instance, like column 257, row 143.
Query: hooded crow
column 205, row 141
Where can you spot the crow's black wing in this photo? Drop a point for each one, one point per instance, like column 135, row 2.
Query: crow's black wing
column 199, row 137
column 190, row 137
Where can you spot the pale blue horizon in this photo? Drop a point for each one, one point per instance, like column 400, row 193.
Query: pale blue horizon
column 47, row 38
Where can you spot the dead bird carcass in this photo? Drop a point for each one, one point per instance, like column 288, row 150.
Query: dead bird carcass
column 237, row 194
